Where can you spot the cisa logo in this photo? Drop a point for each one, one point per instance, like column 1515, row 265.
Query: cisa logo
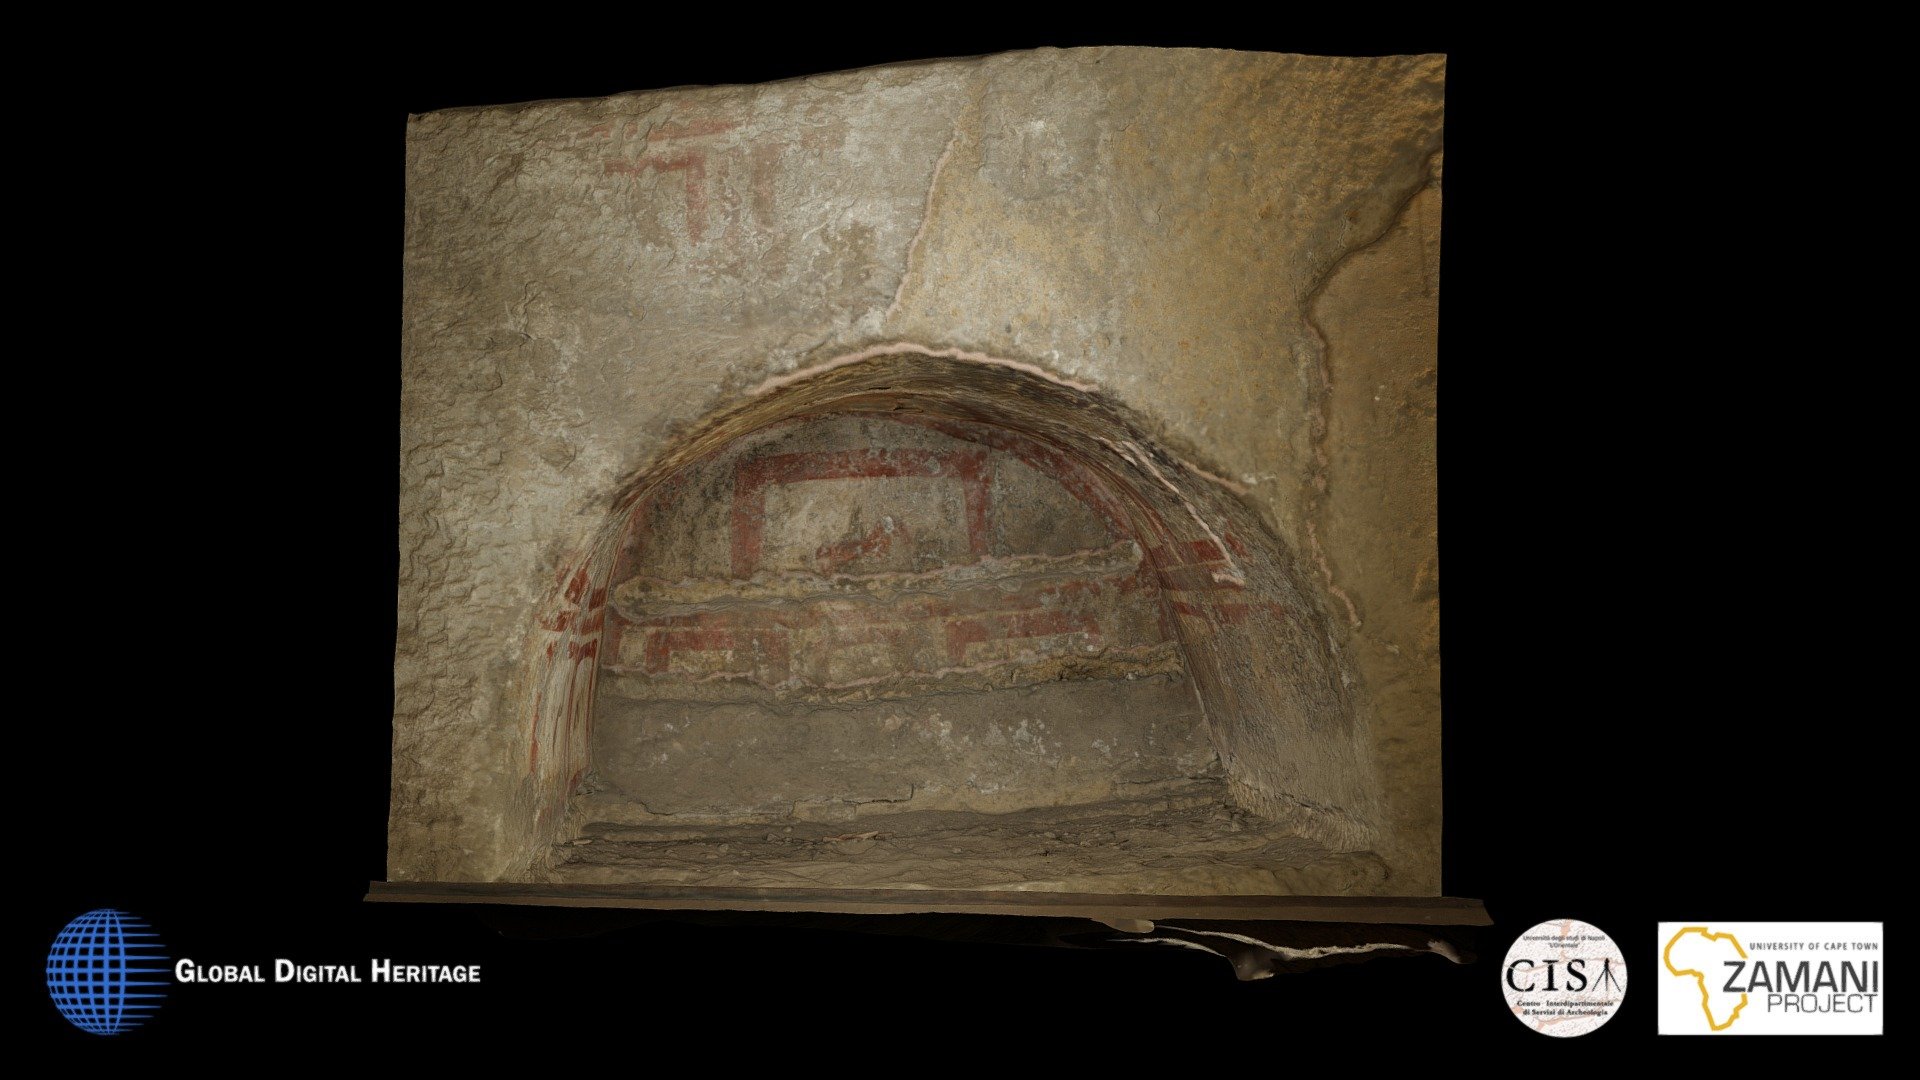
column 106, row 972
column 1564, row 978
column 1753, row 978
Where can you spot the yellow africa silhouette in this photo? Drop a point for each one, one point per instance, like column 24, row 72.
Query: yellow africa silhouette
column 1695, row 954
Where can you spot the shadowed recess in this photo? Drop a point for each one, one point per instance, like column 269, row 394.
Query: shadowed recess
column 936, row 620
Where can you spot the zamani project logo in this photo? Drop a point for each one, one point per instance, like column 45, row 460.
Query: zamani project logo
column 1751, row 978
column 106, row 972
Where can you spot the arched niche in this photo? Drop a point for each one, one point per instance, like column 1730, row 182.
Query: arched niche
column 782, row 625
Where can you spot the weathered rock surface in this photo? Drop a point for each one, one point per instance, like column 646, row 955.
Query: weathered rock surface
column 1183, row 838
column 1211, row 277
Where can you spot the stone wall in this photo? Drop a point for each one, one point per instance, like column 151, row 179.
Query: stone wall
column 1210, row 274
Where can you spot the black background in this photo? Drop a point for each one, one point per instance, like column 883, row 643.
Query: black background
column 208, row 693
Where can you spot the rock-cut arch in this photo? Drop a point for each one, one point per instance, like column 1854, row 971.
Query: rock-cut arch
column 1250, row 633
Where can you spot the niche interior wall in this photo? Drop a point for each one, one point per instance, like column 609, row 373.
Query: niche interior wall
column 997, row 484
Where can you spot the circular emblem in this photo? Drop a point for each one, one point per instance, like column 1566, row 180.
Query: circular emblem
column 105, row 972
column 1564, row 978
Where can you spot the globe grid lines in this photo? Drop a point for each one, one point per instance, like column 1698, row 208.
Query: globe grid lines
column 95, row 972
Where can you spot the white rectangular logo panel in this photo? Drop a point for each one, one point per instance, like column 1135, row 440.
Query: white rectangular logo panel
column 1772, row 978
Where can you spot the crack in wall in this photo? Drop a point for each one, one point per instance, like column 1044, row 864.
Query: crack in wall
column 1314, row 490
column 926, row 216
column 1139, row 457
column 895, row 347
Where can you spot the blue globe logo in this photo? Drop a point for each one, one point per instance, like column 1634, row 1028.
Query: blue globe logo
column 105, row 972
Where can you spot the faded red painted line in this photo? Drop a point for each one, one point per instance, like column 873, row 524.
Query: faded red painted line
column 753, row 476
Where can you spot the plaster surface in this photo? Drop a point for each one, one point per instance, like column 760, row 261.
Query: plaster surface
column 1209, row 276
